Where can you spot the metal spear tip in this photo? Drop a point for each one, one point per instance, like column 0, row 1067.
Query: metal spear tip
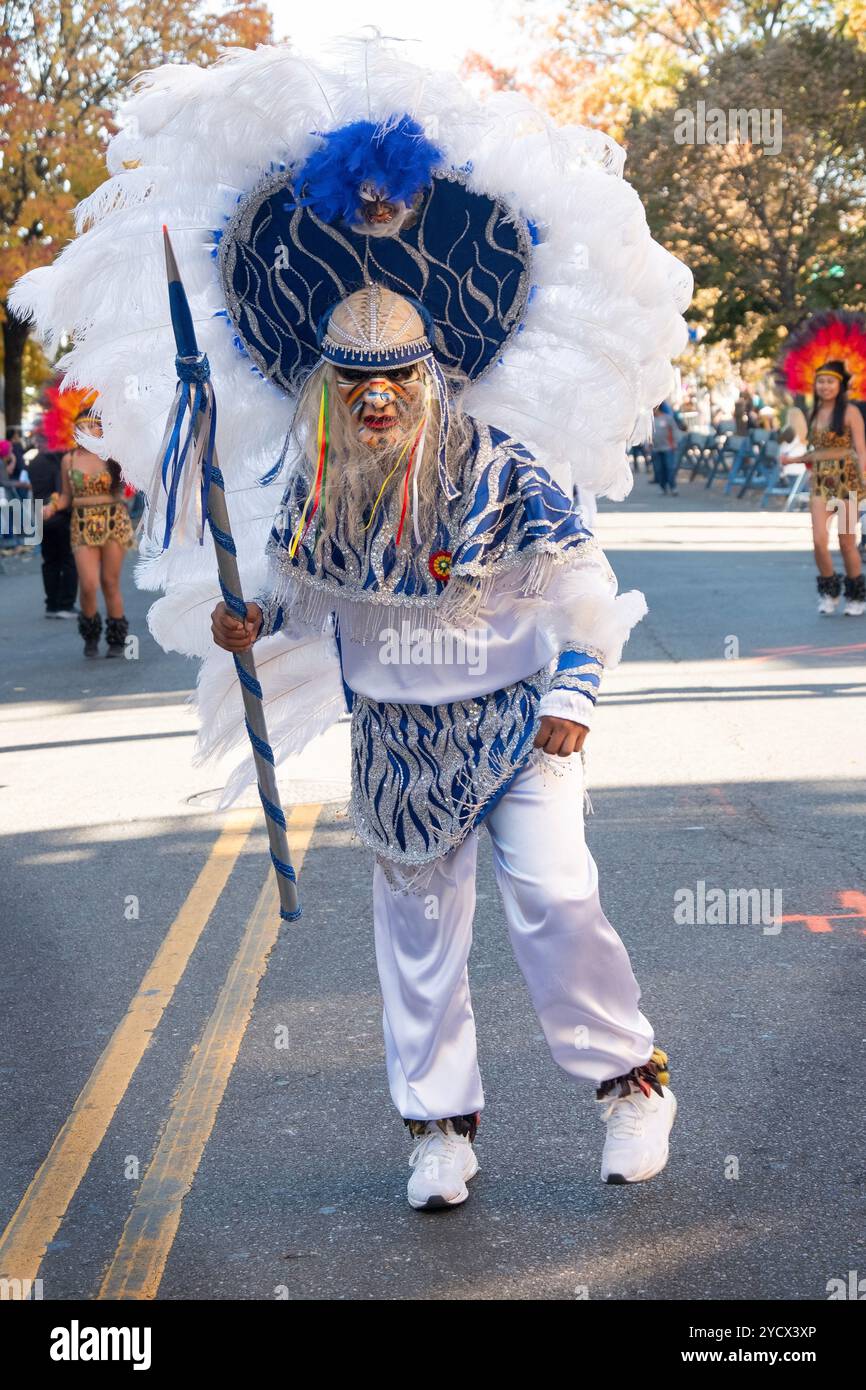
column 171, row 267
column 181, row 316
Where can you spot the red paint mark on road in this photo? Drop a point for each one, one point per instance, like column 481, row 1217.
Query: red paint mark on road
column 722, row 801
column 840, row 651
column 764, row 653
column 813, row 923
column 774, row 653
column 846, row 897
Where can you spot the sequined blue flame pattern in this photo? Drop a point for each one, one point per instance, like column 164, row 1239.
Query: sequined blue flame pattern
column 510, row 512
column 424, row 775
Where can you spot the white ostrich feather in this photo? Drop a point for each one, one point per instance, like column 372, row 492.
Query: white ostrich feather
column 181, row 620
column 302, row 697
column 608, row 302
column 283, row 664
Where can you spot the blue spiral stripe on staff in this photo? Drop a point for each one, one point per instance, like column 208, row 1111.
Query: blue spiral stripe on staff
column 195, row 397
column 261, row 748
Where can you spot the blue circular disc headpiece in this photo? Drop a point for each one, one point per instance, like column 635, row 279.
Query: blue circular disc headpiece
column 463, row 256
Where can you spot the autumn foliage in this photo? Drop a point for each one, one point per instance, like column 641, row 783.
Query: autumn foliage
column 772, row 234
column 63, row 64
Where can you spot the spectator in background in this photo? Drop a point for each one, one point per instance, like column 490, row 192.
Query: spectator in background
column 15, row 493
column 15, row 465
column 740, row 414
column 745, row 414
column 665, row 450
column 59, row 573
column 675, row 416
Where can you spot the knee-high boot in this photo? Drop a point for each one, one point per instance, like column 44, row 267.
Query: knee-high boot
column 115, row 633
column 90, row 629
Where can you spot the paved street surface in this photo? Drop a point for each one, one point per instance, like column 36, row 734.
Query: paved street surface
column 195, row 1108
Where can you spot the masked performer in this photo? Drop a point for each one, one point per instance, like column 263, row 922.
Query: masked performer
column 827, row 357
column 469, row 316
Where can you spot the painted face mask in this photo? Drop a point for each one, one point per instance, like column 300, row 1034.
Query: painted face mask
column 388, row 374
column 385, row 405
column 391, row 388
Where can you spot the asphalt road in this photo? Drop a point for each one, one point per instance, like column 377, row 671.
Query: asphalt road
column 193, row 1110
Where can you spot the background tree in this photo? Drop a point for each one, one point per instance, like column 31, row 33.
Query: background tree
column 770, row 237
column 775, row 235
column 63, row 64
column 596, row 62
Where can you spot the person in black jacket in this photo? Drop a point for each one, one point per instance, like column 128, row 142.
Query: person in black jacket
column 59, row 575
column 861, row 406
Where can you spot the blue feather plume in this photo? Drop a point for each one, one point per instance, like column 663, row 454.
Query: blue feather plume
column 397, row 159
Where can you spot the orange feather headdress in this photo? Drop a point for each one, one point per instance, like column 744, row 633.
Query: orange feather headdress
column 68, row 408
column 838, row 335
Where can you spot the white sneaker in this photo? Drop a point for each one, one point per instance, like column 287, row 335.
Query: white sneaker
column 826, row 604
column 638, row 1126
column 854, row 608
column 443, row 1161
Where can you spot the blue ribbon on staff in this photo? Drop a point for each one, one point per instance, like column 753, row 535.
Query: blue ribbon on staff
column 191, row 371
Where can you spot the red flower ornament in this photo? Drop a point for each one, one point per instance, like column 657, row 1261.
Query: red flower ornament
column 440, row 565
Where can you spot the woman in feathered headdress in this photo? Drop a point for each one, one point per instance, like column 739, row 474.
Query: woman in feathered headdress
column 101, row 531
column 827, row 358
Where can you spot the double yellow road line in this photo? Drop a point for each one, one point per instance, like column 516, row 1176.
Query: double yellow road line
column 138, row 1264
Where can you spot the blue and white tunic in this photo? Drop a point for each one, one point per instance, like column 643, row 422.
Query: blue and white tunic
column 452, row 653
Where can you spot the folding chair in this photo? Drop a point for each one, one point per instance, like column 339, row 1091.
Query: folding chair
column 801, row 491
column 698, row 452
column 787, row 485
column 764, row 468
column 721, row 456
column 741, row 451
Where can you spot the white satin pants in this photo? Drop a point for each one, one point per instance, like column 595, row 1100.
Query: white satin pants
column 577, row 969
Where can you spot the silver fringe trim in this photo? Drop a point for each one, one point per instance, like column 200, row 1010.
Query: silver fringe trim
column 364, row 614
column 406, row 877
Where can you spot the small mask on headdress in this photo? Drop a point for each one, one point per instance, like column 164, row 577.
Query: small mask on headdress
column 379, row 216
column 372, row 177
